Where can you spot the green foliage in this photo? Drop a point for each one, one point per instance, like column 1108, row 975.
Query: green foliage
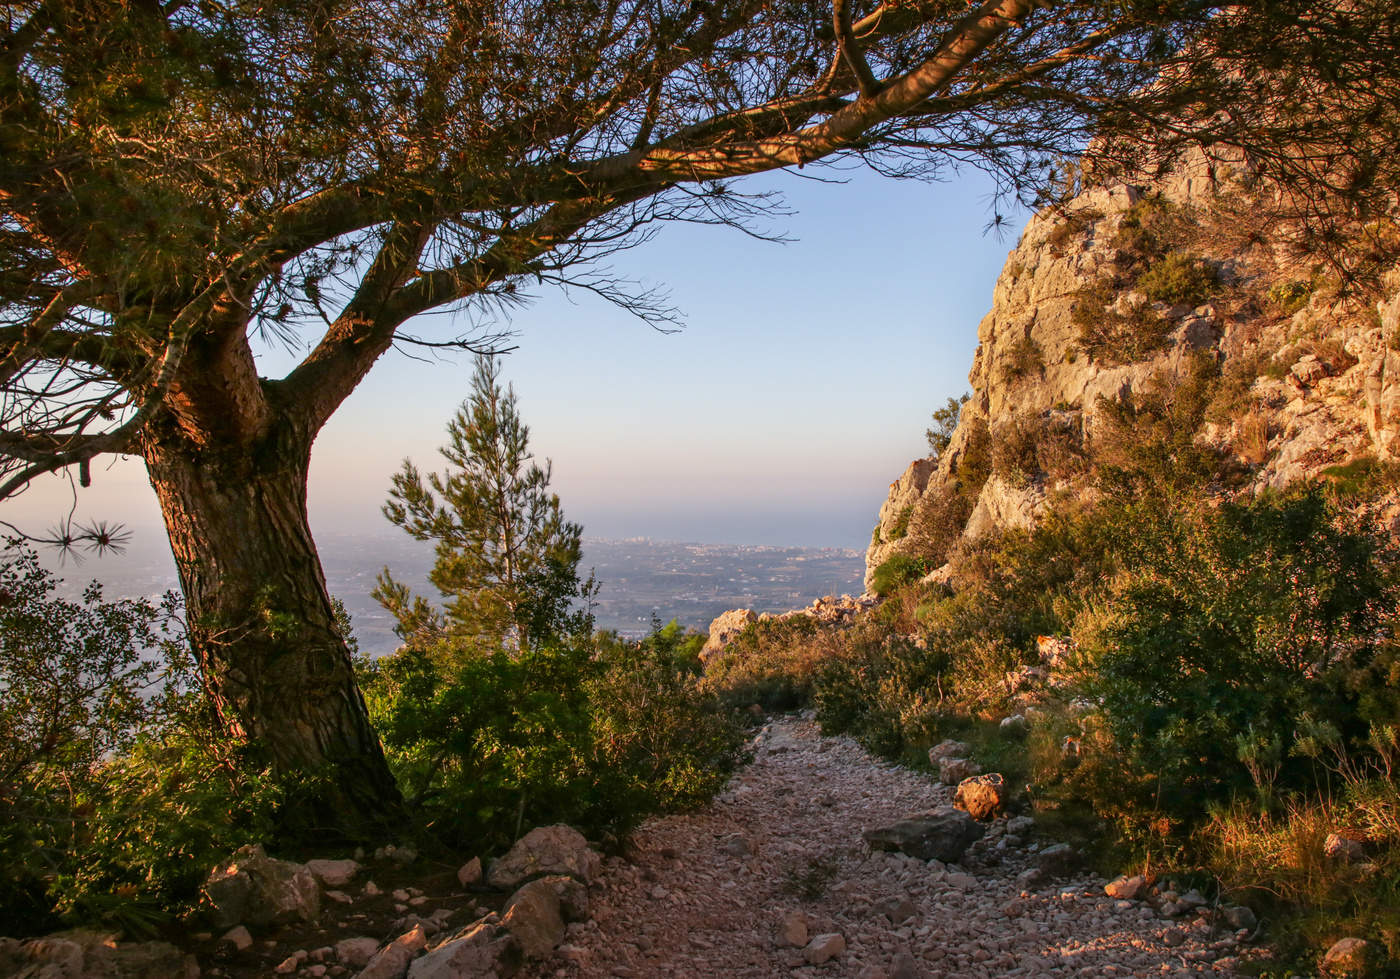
column 1221, row 631
column 116, row 797
column 1023, row 358
column 1178, row 279
column 945, row 422
column 1290, row 297
column 901, row 523
column 1146, row 444
column 597, row 735
column 507, row 561
column 771, row 663
column 1113, row 337
column 1149, row 229
column 896, row 570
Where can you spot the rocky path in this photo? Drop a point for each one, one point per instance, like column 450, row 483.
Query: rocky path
column 773, row 879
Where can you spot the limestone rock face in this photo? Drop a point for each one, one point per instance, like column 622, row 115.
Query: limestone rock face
column 725, row 627
column 1319, row 381
column 896, row 512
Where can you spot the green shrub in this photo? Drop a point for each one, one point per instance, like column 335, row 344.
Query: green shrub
column 116, row 793
column 1113, row 337
column 772, row 663
column 1233, row 624
column 901, row 523
column 1149, row 229
column 945, row 422
column 896, row 570
column 595, row 735
column 1145, row 444
column 1179, row 279
column 1023, row 359
column 1290, row 297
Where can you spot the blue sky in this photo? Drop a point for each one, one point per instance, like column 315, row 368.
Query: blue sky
column 799, row 388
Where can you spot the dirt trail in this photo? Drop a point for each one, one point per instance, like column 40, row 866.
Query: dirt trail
column 707, row 893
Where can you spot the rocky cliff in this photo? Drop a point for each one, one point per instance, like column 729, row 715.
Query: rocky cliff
column 1126, row 295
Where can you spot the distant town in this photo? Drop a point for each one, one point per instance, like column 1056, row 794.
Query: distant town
column 640, row 578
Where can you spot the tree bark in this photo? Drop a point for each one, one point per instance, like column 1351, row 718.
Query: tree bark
column 261, row 622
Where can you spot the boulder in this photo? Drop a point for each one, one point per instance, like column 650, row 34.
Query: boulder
column 470, row 872
column 947, row 749
column 944, row 834
column 982, row 796
column 725, row 627
column 573, row 897
column 84, row 954
column 1352, row 958
column 1126, row 888
column 1056, row 860
column 355, row 953
column 482, row 948
column 333, row 873
column 544, row 851
column 392, row 961
column 951, row 771
column 824, row 948
column 238, row 938
column 255, row 889
column 534, row 919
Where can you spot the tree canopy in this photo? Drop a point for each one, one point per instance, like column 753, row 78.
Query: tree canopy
column 179, row 176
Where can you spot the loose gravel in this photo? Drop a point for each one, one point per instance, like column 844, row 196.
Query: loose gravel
column 711, row 893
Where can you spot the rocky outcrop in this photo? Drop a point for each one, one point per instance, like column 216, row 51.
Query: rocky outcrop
column 1314, row 380
column 725, row 628
column 828, row 610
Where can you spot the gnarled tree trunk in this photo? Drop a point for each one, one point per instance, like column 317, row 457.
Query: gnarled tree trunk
column 260, row 617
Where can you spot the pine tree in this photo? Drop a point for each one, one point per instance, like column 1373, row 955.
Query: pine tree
column 507, row 560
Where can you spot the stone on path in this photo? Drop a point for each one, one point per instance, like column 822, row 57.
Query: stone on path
column 1352, row 958
column 534, row 919
column 392, row 961
column 982, row 796
column 944, row 834
column 823, row 948
column 543, row 851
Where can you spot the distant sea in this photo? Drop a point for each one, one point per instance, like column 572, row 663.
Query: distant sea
column 641, row 578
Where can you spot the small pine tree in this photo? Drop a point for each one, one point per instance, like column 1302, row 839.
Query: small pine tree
column 507, row 561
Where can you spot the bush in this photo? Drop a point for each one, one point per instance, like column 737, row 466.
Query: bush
column 772, row 663
column 896, row 570
column 1113, row 337
column 1289, row 297
column 1178, row 279
column 1229, row 627
column 116, row 793
column 1149, row 229
column 596, row 735
column 1023, row 358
